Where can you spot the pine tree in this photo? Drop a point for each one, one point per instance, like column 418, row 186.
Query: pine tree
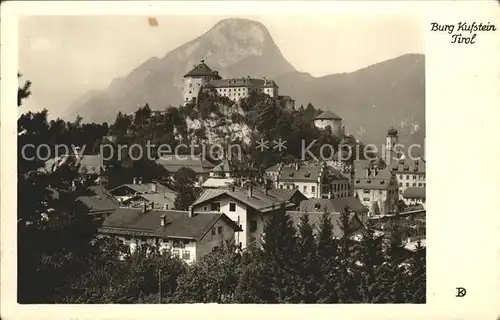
column 308, row 262
column 328, row 260
column 279, row 257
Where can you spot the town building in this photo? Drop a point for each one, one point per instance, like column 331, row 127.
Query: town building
column 410, row 173
column 413, row 196
column 90, row 166
column 328, row 118
column 228, row 173
column 249, row 208
column 377, row 189
column 315, row 180
column 201, row 77
column 319, row 205
column 197, row 163
column 99, row 201
column 185, row 234
column 137, row 193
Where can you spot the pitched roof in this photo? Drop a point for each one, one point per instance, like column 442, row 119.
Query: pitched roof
column 89, row 163
column 179, row 224
column 172, row 163
column 304, row 173
column 201, row 69
column 155, row 197
column 98, row 199
column 146, row 188
column 328, row 115
column 414, row 192
column 232, row 166
column 217, row 182
column 377, row 179
column 315, row 217
column 332, row 205
column 408, row 166
column 258, row 201
column 242, row 82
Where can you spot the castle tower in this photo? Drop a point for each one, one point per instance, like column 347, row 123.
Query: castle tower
column 390, row 143
column 195, row 79
column 329, row 118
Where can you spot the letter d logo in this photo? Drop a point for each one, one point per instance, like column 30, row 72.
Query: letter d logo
column 461, row 292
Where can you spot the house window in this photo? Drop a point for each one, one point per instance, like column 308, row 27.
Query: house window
column 213, row 231
column 419, row 184
column 400, row 184
column 232, row 207
column 313, row 189
column 219, row 230
column 175, row 253
column 380, row 192
column 407, row 177
column 414, row 185
column 400, row 191
column 424, row 185
column 407, row 184
column 253, row 226
column 127, row 238
column 205, row 208
column 186, row 255
column 366, row 191
column 281, row 186
column 414, row 177
column 401, row 176
column 215, row 206
column 304, row 189
column 366, row 199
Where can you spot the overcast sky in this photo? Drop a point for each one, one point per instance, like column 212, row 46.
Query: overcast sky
column 67, row 56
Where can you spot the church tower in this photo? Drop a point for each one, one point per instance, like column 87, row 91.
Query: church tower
column 195, row 79
column 390, row 145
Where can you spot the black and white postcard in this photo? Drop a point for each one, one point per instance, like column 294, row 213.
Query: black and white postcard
column 337, row 158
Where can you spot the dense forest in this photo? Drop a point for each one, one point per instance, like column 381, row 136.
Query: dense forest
column 69, row 265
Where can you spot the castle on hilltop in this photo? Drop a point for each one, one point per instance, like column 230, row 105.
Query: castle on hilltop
column 201, row 76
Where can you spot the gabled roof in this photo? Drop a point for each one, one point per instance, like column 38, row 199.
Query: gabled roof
column 356, row 225
column 201, row 70
column 89, row 163
column 172, row 163
column 155, row 197
column 129, row 221
column 328, row 115
column 145, row 188
column 98, row 199
column 332, row 205
column 232, row 166
column 408, row 166
column 304, row 173
column 377, row 179
column 414, row 192
column 258, row 201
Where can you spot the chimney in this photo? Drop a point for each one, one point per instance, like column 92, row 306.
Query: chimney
column 250, row 191
column 134, row 181
column 190, row 212
column 140, row 180
column 154, row 187
column 163, row 221
column 296, row 166
column 165, row 206
column 144, row 207
column 152, row 205
column 330, row 194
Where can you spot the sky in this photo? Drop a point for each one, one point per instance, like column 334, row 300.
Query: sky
column 67, row 56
